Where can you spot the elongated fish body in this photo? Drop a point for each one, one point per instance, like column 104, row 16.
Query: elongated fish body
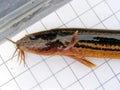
column 74, row 43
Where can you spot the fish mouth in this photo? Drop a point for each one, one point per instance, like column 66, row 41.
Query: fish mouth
column 21, row 55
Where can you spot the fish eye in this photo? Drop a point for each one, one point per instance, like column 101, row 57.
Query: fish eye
column 32, row 37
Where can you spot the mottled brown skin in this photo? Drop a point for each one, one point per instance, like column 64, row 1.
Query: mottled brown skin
column 73, row 42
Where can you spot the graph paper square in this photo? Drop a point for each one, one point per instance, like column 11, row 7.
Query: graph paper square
column 65, row 17
column 80, row 6
column 5, row 75
column 94, row 2
column 87, row 18
column 115, row 85
column 107, row 73
column 36, row 88
column 75, row 86
column 119, row 76
column 33, row 59
column 11, row 85
column 102, row 10
column 70, row 78
column 100, row 88
column 60, row 72
column 114, row 4
column 87, row 84
column 116, row 66
column 118, row 15
column 110, row 25
column 76, row 23
column 80, row 70
column 35, row 27
column 26, row 81
column 56, row 62
column 52, row 18
column 14, row 67
column 6, row 47
column 68, row 60
column 41, row 71
column 99, row 25
column 1, row 61
column 51, row 86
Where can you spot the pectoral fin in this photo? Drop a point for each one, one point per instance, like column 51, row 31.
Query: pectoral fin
column 83, row 61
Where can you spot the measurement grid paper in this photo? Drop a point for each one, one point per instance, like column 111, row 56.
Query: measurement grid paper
column 59, row 72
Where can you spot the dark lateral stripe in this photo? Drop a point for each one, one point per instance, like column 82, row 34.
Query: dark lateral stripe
column 102, row 42
column 96, row 48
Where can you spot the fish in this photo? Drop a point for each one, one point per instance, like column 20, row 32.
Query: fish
column 75, row 43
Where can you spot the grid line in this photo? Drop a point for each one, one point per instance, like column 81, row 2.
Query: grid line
column 112, row 71
column 77, row 15
column 107, row 80
column 31, row 71
column 50, row 68
column 95, row 13
column 74, row 74
column 13, row 78
column 53, row 74
column 63, row 57
column 63, row 24
column 112, row 11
